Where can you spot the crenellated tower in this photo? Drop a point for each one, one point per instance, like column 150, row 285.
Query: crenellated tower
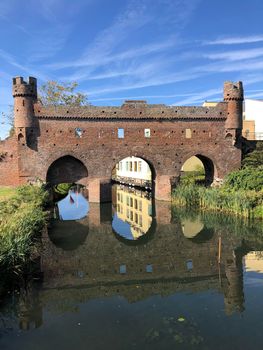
column 25, row 95
column 234, row 96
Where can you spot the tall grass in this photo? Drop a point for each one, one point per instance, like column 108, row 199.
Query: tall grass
column 21, row 219
column 243, row 203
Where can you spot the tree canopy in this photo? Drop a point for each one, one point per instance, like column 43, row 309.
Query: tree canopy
column 60, row 93
column 255, row 158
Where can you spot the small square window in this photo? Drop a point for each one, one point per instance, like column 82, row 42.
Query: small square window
column 147, row 132
column 78, row 132
column 122, row 269
column 149, row 268
column 189, row 265
column 121, row 133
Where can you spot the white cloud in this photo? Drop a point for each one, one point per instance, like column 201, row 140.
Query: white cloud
column 200, row 97
column 235, row 40
column 236, row 55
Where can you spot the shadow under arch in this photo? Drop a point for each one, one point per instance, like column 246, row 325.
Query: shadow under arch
column 205, row 235
column 209, row 167
column 67, row 169
column 68, row 235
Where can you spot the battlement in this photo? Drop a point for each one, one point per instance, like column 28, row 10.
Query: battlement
column 233, row 91
column 24, row 88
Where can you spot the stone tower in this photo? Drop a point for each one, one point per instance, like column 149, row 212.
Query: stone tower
column 25, row 95
column 234, row 96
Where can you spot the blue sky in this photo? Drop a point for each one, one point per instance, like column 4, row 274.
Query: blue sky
column 177, row 52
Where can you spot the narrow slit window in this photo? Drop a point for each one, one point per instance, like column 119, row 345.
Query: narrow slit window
column 188, row 133
column 121, row 133
column 189, row 265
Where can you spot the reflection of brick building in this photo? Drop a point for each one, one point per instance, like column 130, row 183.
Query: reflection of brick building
column 168, row 263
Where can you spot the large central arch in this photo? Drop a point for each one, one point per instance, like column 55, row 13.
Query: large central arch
column 67, row 169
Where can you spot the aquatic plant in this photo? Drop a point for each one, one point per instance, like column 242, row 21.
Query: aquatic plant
column 243, row 203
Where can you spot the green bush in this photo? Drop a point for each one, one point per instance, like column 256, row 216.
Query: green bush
column 245, row 179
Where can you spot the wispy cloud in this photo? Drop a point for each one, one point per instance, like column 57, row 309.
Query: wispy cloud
column 200, row 97
column 141, row 97
column 8, row 58
column 235, row 40
column 235, row 55
column 143, row 83
column 94, row 61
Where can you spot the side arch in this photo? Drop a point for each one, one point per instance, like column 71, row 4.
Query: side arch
column 67, row 169
column 209, row 166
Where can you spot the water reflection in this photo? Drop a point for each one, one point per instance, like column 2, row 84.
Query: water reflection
column 73, row 207
column 132, row 212
column 175, row 290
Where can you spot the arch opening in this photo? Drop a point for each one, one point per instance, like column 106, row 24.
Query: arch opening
column 134, row 171
column 67, row 169
column 198, row 169
column 20, row 137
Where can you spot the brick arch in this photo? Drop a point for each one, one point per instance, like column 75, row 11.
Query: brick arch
column 209, row 164
column 68, row 169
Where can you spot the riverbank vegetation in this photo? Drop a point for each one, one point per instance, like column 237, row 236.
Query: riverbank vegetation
column 6, row 192
column 241, row 193
column 22, row 218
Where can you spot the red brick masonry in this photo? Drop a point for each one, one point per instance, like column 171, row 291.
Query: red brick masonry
column 44, row 135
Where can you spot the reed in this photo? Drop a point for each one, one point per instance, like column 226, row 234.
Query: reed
column 22, row 218
column 240, row 202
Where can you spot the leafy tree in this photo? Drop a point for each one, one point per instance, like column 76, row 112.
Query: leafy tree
column 59, row 93
column 245, row 179
column 9, row 118
column 255, row 158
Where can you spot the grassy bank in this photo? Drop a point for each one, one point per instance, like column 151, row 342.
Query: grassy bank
column 6, row 192
column 241, row 193
column 21, row 219
column 246, row 203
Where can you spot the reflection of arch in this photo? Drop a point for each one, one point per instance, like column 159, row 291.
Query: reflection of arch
column 203, row 236
column 132, row 213
column 67, row 169
column 142, row 240
column 68, row 235
column 209, row 167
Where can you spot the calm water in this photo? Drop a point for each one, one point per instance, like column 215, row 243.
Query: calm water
column 137, row 275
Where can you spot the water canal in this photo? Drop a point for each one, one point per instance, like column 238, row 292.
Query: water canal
column 138, row 274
